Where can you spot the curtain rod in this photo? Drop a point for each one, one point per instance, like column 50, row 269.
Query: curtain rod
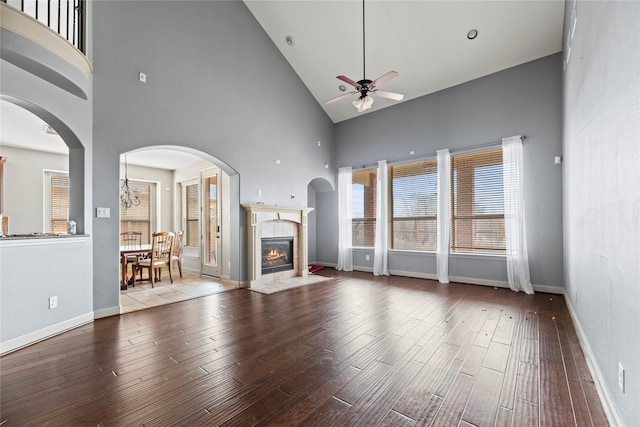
column 419, row 159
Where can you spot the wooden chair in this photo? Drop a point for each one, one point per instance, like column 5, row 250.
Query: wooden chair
column 159, row 256
column 176, row 253
column 131, row 240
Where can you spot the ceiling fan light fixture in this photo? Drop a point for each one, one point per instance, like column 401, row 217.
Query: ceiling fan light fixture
column 363, row 103
column 365, row 86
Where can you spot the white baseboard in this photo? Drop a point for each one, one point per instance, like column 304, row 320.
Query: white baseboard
column 458, row 279
column 106, row 312
column 598, row 379
column 22, row 341
column 417, row 275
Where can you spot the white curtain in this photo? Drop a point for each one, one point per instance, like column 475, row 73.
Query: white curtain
column 345, row 257
column 381, row 244
column 514, row 218
column 443, row 216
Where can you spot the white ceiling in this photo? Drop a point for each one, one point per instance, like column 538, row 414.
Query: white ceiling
column 424, row 41
column 23, row 129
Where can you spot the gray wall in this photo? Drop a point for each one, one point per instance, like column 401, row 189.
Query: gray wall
column 215, row 83
column 523, row 100
column 64, row 268
column 602, row 191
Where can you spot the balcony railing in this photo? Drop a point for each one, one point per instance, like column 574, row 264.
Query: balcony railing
column 66, row 17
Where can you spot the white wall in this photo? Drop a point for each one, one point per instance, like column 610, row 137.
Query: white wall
column 24, row 186
column 602, row 193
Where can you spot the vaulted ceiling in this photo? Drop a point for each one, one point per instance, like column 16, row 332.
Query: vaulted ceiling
column 424, row 41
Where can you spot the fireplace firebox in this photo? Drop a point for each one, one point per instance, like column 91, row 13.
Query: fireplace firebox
column 277, row 254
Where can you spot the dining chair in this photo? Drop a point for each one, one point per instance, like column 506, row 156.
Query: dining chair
column 131, row 240
column 159, row 256
column 176, row 252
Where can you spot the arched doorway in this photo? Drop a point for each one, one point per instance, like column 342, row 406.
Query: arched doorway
column 180, row 189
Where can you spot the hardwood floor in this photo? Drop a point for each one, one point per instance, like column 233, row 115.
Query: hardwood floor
column 354, row 350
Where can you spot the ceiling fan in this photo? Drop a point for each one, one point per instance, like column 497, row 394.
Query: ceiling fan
column 366, row 87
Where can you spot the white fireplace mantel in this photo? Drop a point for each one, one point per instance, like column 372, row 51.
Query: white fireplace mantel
column 256, row 215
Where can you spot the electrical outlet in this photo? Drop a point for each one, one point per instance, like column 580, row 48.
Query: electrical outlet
column 53, row 302
column 367, row 257
column 575, row 295
column 621, row 376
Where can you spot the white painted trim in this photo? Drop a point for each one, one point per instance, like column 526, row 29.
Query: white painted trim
column 34, row 30
column 458, row 279
column 107, row 312
column 42, row 241
column 25, row 340
column 418, row 275
column 598, row 379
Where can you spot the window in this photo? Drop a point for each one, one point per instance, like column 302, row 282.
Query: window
column 58, row 208
column 477, row 202
column 363, row 206
column 413, row 205
column 138, row 218
column 191, row 215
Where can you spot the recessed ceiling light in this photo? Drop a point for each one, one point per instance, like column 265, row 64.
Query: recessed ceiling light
column 472, row 34
column 290, row 40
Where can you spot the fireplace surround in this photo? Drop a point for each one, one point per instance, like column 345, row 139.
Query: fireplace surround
column 271, row 221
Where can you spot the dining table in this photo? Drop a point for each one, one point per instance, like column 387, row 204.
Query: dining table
column 125, row 252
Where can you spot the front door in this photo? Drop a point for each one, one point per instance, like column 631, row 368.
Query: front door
column 211, row 227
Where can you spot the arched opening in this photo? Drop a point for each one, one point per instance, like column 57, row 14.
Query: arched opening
column 187, row 192
column 316, row 185
column 43, row 171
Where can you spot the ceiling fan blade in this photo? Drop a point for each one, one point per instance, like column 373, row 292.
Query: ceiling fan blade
column 348, row 80
column 390, row 95
column 338, row 98
column 384, row 78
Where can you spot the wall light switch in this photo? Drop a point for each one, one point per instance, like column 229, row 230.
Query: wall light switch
column 142, row 77
column 557, row 160
column 103, row 212
column 621, row 376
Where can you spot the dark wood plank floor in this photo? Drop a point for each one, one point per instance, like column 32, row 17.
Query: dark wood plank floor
column 356, row 350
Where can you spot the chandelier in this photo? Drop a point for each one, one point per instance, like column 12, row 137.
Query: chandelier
column 125, row 194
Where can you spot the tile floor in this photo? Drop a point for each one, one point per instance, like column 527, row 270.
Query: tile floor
column 191, row 285
column 270, row 286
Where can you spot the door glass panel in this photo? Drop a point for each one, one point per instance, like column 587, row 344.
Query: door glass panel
column 212, row 225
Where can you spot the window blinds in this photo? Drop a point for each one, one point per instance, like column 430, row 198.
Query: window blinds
column 413, row 203
column 192, row 216
column 477, row 202
column 59, row 193
column 364, row 207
